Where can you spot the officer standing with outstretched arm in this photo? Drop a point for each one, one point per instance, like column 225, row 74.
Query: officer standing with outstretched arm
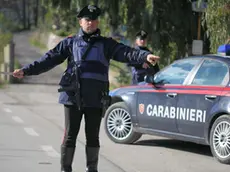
column 93, row 80
column 140, row 70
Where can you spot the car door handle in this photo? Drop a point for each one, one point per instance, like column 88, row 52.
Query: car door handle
column 171, row 95
column 210, row 97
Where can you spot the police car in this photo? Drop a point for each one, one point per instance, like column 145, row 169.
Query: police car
column 188, row 100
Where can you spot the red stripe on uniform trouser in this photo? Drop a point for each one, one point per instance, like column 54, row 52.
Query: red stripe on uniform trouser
column 63, row 139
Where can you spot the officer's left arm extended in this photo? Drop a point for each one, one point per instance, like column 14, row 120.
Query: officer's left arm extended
column 135, row 64
column 122, row 53
column 52, row 58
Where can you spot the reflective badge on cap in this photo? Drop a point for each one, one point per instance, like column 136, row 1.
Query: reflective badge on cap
column 143, row 32
column 91, row 8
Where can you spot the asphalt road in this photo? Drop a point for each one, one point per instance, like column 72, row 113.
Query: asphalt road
column 31, row 130
column 31, row 141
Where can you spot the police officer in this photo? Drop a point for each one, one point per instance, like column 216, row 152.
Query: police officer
column 139, row 70
column 93, row 80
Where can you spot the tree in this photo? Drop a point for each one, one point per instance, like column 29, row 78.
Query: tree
column 217, row 18
column 168, row 31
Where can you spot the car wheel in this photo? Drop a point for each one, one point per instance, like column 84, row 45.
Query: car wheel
column 118, row 124
column 220, row 139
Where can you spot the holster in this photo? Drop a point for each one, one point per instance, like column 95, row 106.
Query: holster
column 106, row 99
column 68, row 84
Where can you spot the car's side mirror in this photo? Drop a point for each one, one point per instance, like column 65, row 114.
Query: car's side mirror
column 149, row 79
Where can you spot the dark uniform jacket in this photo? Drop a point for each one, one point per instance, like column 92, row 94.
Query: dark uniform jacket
column 138, row 72
column 91, row 87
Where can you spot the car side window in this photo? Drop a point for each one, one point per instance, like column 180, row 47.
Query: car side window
column 211, row 72
column 177, row 72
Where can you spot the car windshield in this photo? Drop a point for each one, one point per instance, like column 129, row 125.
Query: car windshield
column 176, row 73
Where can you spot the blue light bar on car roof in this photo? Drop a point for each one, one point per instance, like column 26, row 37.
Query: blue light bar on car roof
column 224, row 50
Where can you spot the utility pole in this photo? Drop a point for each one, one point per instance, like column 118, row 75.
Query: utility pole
column 24, row 13
column 36, row 11
column 199, row 26
column 29, row 13
column 199, row 8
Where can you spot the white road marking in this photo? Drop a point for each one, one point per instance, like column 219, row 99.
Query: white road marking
column 50, row 151
column 31, row 131
column 17, row 119
column 7, row 110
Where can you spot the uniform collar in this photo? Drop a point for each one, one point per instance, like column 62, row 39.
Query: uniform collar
column 97, row 33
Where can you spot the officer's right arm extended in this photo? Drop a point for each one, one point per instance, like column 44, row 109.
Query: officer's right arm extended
column 52, row 58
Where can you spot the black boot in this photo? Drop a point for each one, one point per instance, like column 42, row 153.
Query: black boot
column 92, row 158
column 67, row 155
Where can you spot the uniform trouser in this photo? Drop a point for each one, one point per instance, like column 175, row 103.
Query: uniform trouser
column 73, row 119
